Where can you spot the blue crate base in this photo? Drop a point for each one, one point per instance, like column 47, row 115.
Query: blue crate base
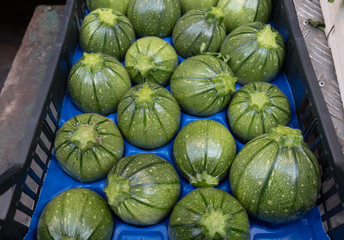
column 57, row 181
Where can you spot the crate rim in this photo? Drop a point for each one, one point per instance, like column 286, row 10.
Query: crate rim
column 320, row 105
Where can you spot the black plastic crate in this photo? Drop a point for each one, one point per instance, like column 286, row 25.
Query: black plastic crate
column 20, row 185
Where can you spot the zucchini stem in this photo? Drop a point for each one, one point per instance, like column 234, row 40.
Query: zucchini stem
column 107, row 17
column 259, row 101
column 214, row 223
column 266, row 37
column 145, row 96
column 85, row 136
column 117, row 190
column 144, row 64
column 224, row 83
column 286, row 136
column 214, row 15
column 204, row 180
column 93, row 61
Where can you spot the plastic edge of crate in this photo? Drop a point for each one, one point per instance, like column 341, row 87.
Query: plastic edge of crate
column 326, row 125
column 332, row 151
column 16, row 175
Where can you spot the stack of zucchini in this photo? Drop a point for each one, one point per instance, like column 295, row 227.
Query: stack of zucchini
column 180, row 58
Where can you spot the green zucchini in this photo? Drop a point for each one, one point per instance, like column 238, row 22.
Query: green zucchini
column 154, row 17
column 76, row 213
column 203, row 152
column 87, row 146
column 97, row 82
column 107, row 31
column 120, row 5
column 151, row 59
column 208, row 213
column 240, row 12
column 142, row 189
column 202, row 85
column 256, row 52
column 148, row 116
column 255, row 109
column 276, row 177
column 199, row 31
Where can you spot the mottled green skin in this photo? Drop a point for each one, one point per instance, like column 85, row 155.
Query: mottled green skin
column 249, row 61
column 98, row 90
column 154, row 188
column 102, row 154
column 193, row 86
column 240, row 12
column 160, row 52
column 185, row 218
column 275, row 183
column 187, row 5
column 248, row 121
column 154, row 17
column 119, row 5
column 150, row 126
column 77, row 213
column 203, row 152
column 193, row 34
column 113, row 40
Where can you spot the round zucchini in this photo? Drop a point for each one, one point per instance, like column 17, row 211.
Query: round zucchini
column 119, row 5
column 142, row 189
column 256, row 52
column 107, row 31
column 208, row 213
column 87, row 146
column 276, row 177
column 202, row 85
column 255, row 109
column 241, row 12
column 76, row 213
column 151, row 59
column 203, row 152
column 148, row 116
column 154, row 17
column 187, row 5
column 97, row 82
column 199, row 31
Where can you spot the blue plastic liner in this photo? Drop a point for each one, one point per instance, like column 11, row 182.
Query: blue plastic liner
column 57, row 181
